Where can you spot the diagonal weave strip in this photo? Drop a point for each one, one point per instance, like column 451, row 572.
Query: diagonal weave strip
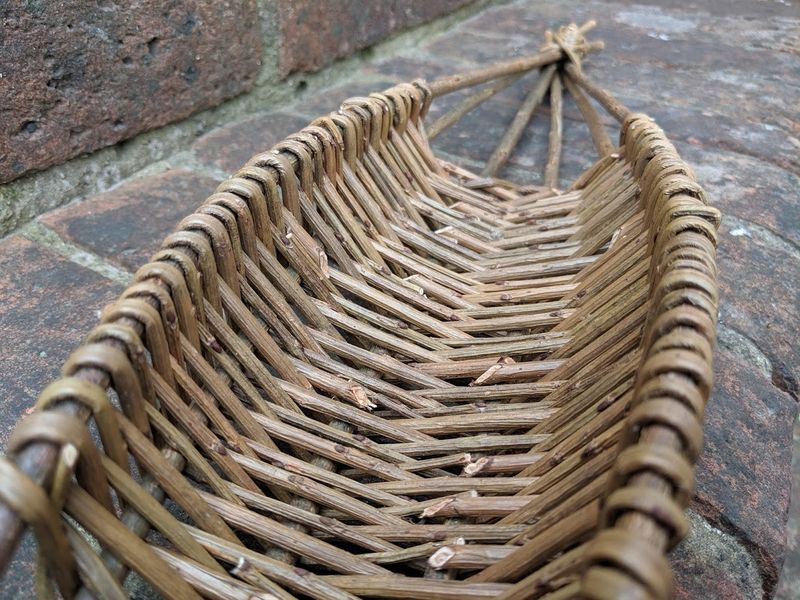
column 410, row 380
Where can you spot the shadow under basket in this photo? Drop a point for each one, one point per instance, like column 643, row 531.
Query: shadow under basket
column 360, row 371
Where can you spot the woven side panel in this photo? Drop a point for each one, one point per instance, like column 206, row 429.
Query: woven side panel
column 652, row 480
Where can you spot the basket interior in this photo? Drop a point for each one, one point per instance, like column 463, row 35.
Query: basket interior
column 358, row 370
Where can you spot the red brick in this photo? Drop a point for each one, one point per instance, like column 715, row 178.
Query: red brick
column 314, row 34
column 77, row 76
column 400, row 68
column 460, row 44
column 229, row 148
column 744, row 474
column 758, row 284
column 329, row 100
column 126, row 225
column 47, row 305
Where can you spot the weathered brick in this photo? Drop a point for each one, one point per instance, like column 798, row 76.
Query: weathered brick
column 314, row 34
column 329, row 100
column 713, row 565
column 747, row 187
column 47, row 305
column 758, row 275
column 744, row 474
column 126, row 225
column 230, row 147
column 78, row 76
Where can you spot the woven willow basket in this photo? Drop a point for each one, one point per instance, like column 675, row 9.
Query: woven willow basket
column 358, row 370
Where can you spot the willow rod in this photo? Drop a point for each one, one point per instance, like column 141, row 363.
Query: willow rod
column 596, row 128
column 554, row 145
column 506, row 342
column 514, row 132
column 614, row 107
column 470, row 103
column 459, row 81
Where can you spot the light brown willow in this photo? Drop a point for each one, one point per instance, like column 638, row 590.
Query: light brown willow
column 358, row 370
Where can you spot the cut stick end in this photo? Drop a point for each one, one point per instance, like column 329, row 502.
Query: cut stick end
column 474, row 468
column 439, row 559
column 434, row 509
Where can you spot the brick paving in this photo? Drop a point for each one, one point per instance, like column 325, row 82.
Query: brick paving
column 48, row 305
column 126, row 226
column 720, row 77
column 228, row 148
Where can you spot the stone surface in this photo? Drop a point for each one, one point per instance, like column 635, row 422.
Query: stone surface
column 408, row 68
column 329, row 99
column 713, row 565
column 743, row 474
column 127, row 224
column 47, row 305
column 77, row 76
column 748, row 188
column 229, row 148
column 758, row 275
column 472, row 45
column 788, row 588
column 314, row 34
column 658, row 61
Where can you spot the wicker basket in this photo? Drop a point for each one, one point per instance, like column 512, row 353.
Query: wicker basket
column 358, row 370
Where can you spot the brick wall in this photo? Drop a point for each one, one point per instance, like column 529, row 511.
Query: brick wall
column 314, row 33
column 77, row 76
